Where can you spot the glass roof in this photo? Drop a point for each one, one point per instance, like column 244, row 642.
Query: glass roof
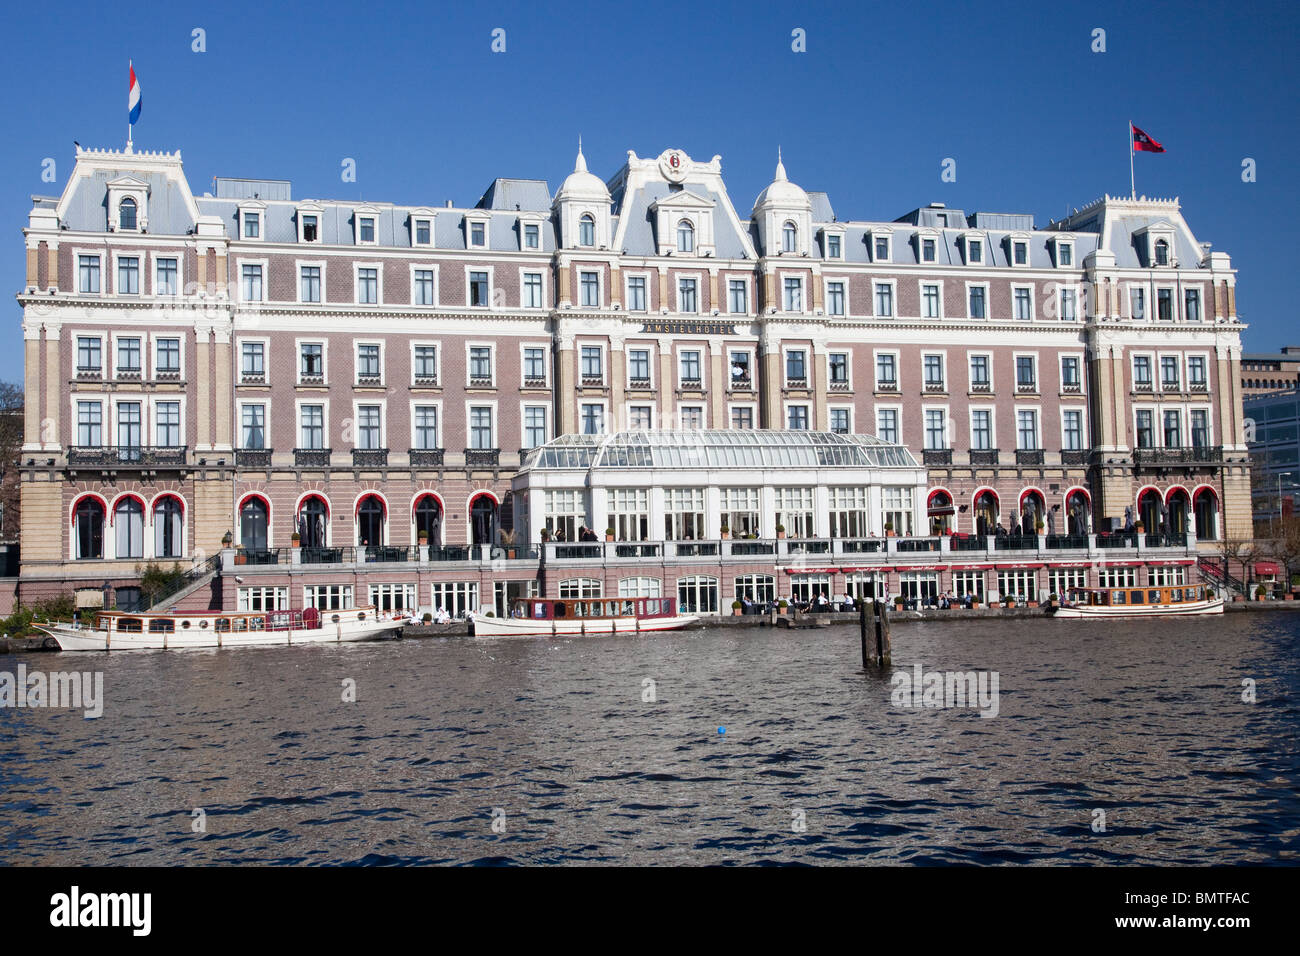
column 740, row 448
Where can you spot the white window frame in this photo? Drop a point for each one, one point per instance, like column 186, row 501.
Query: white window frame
column 1060, row 370
column 141, row 271
column 492, row 358
column 471, row 219
column 436, row 345
column 496, row 421
column 808, row 354
column 970, row 385
column 356, row 345
column 263, row 399
column 179, row 257
column 1082, row 411
column 298, row 343
column 600, row 287
column 875, row 370
column 970, row 426
column 753, row 409
column 1015, row 372
column 604, row 361
column 523, row 421
column 436, row 404
column 153, row 353
column 266, row 284
column 841, row 408
column 699, row 292
column 298, row 265
column 826, row 295
column 546, row 365
column 920, row 297
column 893, row 297
column 412, row 269
column 803, row 403
column 703, row 350
column 1033, row 306
column 265, row 342
column 1038, row 424
column 525, row 271
column 943, row 368
column 379, row 282
column 383, row 419
column 627, row 298
column 324, row 402
column 897, row 409
column 491, row 291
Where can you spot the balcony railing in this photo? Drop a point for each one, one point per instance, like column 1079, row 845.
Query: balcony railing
column 126, row 456
column 692, row 385
column 917, row 544
column 1117, row 539
column 480, row 381
column 981, row 387
column 89, row 371
column 593, row 381
column 1074, row 456
column 257, row 555
column 368, row 380
column 886, row 386
column 1183, row 455
column 427, row 457
column 1166, row 539
column 640, row 383
column 796, row 383
column 252, row 378
column 640, row 549
column 312, row 457
column 1029, row 456
column 252, row 458
column 937, row 456
column 427, row 380
column 128, row 373
column 838, row 386
column 389, row 553
column 482, row 457
column 935, row 387
column 327, row 556
column 1024, row 388
column 1072, row 388
column 753, row 547
column 370, row 457
column 534, row 381
column 862, row 545
column 1067, row 541
column 968, row 542
column 1143, row 387
column 984, row 456
column 311, row 378
column 696, row 549
column 1198, row 386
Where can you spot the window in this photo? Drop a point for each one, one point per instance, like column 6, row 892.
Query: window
column 480, row 427
column 253, row 422
column 1165, row 305
column 165, row 282
column 367, row 362
column 1142, row 370
column 979, row 372
column 88, row 354
column 887, row 425
column 128, row 355
column 535, row 365
column 425, row 434
column 252, row 225
column 1072, row 430
column 126, row 218
column 1169, row 372
column 480, row 364
column 1162, row 252
column 686, row 295
column 328, row 597
column 252, row 359
column 929, row 301
column 638, row 365
column 981, row 429
column 629, row 516
column 1145, row 428
column 1064, row 254
column 794, row 510
column 532, row 236
column 896, row 510
column 797, row 417
column 593, row 419
column 927, row 250
column 691, row 417
column 886, row 370
column 422, row 287
column 740, row 510
column 1023, row 304
column 167, row 424
column 169, row 356
column 393, row 597
column 89, row 531
column 737, row 296
column 478, row 234
column 1173, row 429
column 974, row 251
column 534, row 426
column 310, row 231
column 742, row 416
column 310, row 284
column 685, row 236
column 840, row 421
column 128, row 275
column 90, row 424
column 1068, row 302
column 311, row 361
column 640, row 417
column 689, row 364
column 1196, row 371
column 848, row 512
column 532, row 290
column 251, row 288
column 793, row 295
column 368, row 427
column 1070, row 372
column 589, row 284
column 1192, row 305
column 167, row 527
column 1020, row 253
column 835, row 298
column 457, row 598
column 1137, row 300
column 838, row 365
column 832, row 247
column 636, row 301
column 586, row 231
column 933, row 366
column 312, row 421
column 1021, row 585
column 1200, row 420
column 1026, row 377
column 592, row 365
column 977, row 302
column 756, row 588
column 368, row 286
column 789, row 238
column 795, row 366
column 1026, row 429
column 478, row 289
column 936, row 429
column 884, row 299
column 128, row 519
column 422, row 232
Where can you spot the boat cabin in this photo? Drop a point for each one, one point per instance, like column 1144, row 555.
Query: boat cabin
column 539, row 609
column 305, row 619
column 1138, row 597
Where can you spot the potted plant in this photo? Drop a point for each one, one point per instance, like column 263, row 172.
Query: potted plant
column 427, row 617
column 898, row 603
column 1260, row 592
column 780, row 531
column 781, row 606
column 609, row 534
column 974, row 602
column 226, row 539
column 508, row 542
column 725, row 531
column 546, row 535
column 1009, row 601
column 1054, row 599
column 1031, row 603
column 1038, row 526
column 736, row 608
column 889, row 529
column 1141, row 527
column 296, row 539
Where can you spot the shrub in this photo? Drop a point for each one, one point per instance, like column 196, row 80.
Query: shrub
column 736, row 605
column 155, row 580
column 19, row 623
column 782, row 603
column 428, row 618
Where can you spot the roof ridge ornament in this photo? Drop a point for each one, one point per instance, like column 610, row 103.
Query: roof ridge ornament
column 580, row 166
column 780, row 168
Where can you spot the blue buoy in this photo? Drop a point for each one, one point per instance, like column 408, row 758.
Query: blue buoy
column 722, row 730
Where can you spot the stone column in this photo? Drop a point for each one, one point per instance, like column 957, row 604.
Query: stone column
column 821, row 415
column 222, row 373
column 719, row 378
column 667, row 385
column 771, row 386
column 32, row 386
column 565, row 388
column 52, row 266
column 202, row 390
column 50, row 440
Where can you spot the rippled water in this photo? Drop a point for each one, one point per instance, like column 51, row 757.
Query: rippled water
column 1144, row 721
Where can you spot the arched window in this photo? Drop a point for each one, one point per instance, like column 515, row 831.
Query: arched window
column 1032, row 510
column 685, row 236
column 1077, row 513
column 1178, row 508
column 168, row 520
column 586, row 231
column 370, row 522
column 483, row 519
column 940, row 512
column 126, row 219
column 88, row 528
column 789, row 238
column 253, row 524
column 428, row 518
column 313, row 522
column 1162, row 252
column 986, row 513
column 1206, row 507
column 128, row 520
column 1150, row 508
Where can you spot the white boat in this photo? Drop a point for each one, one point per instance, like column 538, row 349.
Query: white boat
column 1177, row 600
column 530, row 617
column 123, row 630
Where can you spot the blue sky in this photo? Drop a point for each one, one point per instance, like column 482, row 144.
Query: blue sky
column 1035, row 120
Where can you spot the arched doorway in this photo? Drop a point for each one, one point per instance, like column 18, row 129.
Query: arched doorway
column 254, row 521
column 428, row 518
column 1178, row 509
column 370, row 522
column 313, row 522
column 1206, row 507
column 88, row 528
column 483, row 519
column 1149, row 510
column 168, row 525
column 940, row 511
column 986, row 512
column 1033, row 509
column 128, row 519
column 1078, row 512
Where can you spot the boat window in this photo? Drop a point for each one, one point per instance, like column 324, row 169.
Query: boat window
column 162, row 625
column 1118, row 597
column 222, row 624
column 561, row 609
column 1178, row 594
column 256, row 624
column 239, row 624
column 1153, row 597
column 131, row 624
column 629, row 608
column 1200, row 594
column 1138, row 598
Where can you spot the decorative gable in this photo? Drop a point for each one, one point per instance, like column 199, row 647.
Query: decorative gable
column 677, row 208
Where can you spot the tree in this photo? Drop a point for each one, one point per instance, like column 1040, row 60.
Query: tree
column 1286, row 548
column 11, row 445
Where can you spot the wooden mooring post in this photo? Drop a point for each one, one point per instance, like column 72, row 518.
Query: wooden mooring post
column 877, row 653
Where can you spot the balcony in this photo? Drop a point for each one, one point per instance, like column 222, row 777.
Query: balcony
column 311, row 378
column 1026, row 388
column 935, row 387
column 252, row 378
column 370, row 457
column 692, row 385
column 252, row 458
column 85, row 372
column 258, row 556
column 1184, row 456
column 167, row 375
column 800, row 384
column 1072, row 388
column 427, row 457
column 1029, row 456
column 984, row 456
column 937, row 456
column 1198, row 386
column 312, row 457
column 482, row 458
column 128, row 373
column 1074, row 456
column 131, row 456
column 1143, row 387
column 742, row 383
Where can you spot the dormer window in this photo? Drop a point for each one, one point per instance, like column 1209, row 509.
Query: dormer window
column 126, row 218
column 1162, row 252
column 789, row 238
column 974, row 251
column 532, row 236
column 1020, row 253
column 880, row 249
column 423, row 232
column 478, row 234
column 928, row 247
column 685, row 236
column 366, row 229
column 1065, row 254
column 309, row 227
column 252, row 225
column 587, row 231
column 833, row 246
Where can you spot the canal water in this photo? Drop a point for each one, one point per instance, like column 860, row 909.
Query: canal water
column 1112, row 743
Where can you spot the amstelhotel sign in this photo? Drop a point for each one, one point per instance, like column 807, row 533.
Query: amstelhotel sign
column 688, row 327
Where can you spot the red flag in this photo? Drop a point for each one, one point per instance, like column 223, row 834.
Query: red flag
column 1142, row 143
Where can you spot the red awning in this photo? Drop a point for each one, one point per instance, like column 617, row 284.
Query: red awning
column 1267, row 567
column 1070, row 564
column 1018, row 567
column 1170, row 564
column 936, row 511
column 871, row 570
column 1122, row 564
column 811, row 570
column 921, row 567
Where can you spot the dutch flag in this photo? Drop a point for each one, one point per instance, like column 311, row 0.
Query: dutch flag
column 133, row 98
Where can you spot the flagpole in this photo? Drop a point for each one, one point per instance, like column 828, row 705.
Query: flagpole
column 129, row 67
column 1132, row 186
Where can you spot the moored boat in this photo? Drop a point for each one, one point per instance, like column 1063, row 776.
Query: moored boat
column 124, row 630
column 1178, row 600
column 541, row 617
